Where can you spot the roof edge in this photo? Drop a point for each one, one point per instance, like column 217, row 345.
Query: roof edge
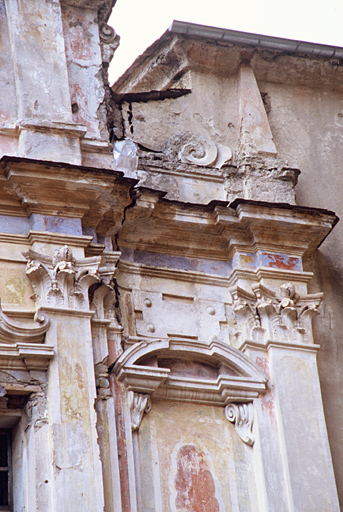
column 255, row 40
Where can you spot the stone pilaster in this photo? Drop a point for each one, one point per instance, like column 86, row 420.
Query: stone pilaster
column 61, row 285
column 106, row 334
column 290, row 428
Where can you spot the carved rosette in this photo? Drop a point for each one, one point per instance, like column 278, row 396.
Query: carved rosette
column 242, row 415
column 62, row 281
column 265, row 315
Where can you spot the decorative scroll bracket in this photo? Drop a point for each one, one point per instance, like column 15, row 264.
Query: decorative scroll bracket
column 139, row 404
column 22, row 346
column 242, row 415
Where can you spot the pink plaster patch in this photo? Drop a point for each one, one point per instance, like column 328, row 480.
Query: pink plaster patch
column 262, row 362
column 267, row 400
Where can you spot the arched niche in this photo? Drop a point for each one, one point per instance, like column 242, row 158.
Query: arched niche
column 191, row 371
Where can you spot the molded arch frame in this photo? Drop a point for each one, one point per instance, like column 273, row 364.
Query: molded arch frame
column 248, row 384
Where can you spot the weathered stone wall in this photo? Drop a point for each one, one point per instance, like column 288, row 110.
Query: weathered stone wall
column 156, row 343
column 301, row 99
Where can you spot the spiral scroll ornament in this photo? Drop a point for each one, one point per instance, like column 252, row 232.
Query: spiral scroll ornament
column 242, row 415
column 107, row 33
column 198, row 151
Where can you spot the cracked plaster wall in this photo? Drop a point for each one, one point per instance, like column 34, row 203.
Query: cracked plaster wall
column 308, row 130
column 303, row 100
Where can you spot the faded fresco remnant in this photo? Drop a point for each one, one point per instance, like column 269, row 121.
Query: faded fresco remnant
column 194, row 482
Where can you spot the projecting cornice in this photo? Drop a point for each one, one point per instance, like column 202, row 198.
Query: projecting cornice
column 97, row 196
column 219, row 231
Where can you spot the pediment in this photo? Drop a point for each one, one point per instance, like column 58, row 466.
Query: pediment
column 189, row 370
column 22, row 344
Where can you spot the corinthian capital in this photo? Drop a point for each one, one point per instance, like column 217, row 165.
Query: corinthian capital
column 62, row 280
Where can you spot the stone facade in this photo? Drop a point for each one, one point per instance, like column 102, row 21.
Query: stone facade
column 159, row 278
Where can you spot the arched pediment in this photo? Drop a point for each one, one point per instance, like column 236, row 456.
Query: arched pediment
column 22, row 343
column 188, row 370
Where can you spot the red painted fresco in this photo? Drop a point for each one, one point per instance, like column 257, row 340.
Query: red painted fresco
column 194, row 482
column 282, row 262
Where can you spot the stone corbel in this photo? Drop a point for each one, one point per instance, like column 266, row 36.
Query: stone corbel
column 242, row 415
column 139, row 404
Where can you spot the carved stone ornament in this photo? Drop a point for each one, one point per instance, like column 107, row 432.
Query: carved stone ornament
column 109, row 41
column 265, row 315
column 242, row 415
column 102, row 380
column 231, row 375
column 103, row 298
column 22, row 346
column 125, row 156
column 63, row 281
column 198, row 150
column 139, row 404
column 107, row 33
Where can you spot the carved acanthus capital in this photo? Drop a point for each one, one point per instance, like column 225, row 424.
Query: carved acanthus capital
column 62, row 280
column 265, row 315
column 139, row 404
column 242, row 415
column 246, row 316
column 103, row 297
